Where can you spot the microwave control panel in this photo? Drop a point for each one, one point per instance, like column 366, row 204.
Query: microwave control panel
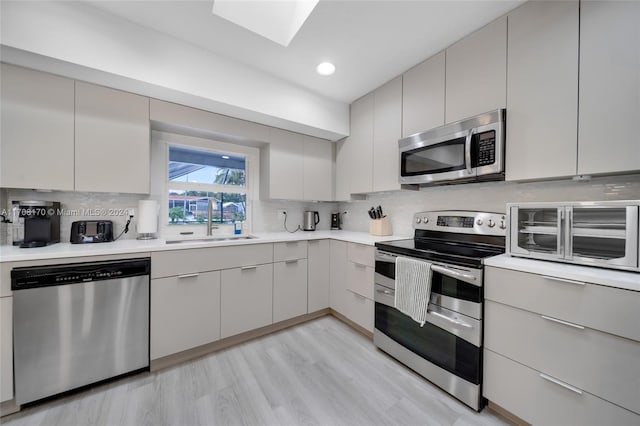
column 485, row 143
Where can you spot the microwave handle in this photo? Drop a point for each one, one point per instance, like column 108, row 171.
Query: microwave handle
column 467, row 152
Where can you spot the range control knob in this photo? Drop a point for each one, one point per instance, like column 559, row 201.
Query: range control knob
column 491, row 223
column 425, row 220
column 479, row 222
column 418, row 220
column 503, row 225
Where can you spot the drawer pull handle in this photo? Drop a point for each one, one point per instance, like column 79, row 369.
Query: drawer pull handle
column 188, row 276
column 290, row 243
column 563, row 280
column 359, row 265
column 247, row 268
column 291, row 261
column 559, row 383
column 570, row 324
column 359, row 296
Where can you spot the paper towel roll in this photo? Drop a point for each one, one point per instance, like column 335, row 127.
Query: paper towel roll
column 147, row 217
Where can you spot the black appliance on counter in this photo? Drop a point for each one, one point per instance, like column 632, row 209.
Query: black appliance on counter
column 40, row 223
column 447, row 350
column 335, row 221
column 91, row 231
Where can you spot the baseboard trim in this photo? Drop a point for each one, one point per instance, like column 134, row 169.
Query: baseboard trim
column 512, row 418
column 200, row 351
column 8, row 407
column 352, row 324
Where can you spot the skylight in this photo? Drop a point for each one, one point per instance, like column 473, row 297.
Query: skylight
column 276, row 20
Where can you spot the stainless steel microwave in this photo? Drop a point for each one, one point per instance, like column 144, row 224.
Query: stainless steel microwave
column 468, row 150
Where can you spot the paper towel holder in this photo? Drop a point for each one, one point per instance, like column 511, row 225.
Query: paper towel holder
column 147, row 223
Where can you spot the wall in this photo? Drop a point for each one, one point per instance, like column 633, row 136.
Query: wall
column 486, row 196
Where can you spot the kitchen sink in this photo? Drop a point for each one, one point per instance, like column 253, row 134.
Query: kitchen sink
column 212, row 239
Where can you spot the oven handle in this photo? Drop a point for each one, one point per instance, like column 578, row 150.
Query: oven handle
column 456, row 322
column 467, row 152
column 452, row 273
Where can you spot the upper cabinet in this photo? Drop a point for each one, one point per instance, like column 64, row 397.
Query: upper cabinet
column 542, row 90
column 609, row 87
column 387, row 129
column 296, row 167
column 112, row 140
column 476, row 72
column 361, row 139
column 423, row 96
column 36, row 145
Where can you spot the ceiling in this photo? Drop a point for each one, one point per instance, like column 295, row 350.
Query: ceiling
column 370, row 42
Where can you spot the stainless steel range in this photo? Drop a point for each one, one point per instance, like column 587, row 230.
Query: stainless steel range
column 447, row 350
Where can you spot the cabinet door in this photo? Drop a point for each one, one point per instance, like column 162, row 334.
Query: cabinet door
column 338, row 274
column 361, row 138
column 609, row 87
column 387, row 129
column 423, row 96
column 318, row 170
column 476, row 80
column 318, row 263
column 542, row 90
column 185, row 312
column 283, row 166
column 289, row 289
column 360, row 279
column 36, row 142
column 6, row 348
column 112, row 140
column 246, row 299
column 344, row 162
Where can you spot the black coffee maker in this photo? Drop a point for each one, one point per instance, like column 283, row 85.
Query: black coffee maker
column 39, row 222
column 335, row 220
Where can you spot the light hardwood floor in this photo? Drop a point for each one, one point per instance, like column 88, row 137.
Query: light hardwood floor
column 318, row 373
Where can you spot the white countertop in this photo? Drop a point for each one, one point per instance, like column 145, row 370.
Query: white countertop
column 67, row 250
column 607, row 277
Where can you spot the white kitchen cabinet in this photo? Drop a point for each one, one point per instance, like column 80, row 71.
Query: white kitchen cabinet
column 246, row 299
column 423, row 89
column 387, row 129
column 37, row 139
column 609, row 87
column 318, row 280
column 185, row 312
column 338, row 276
column 289, row 250
column 6, row 348
column 112, row 140
column 360, row 279
column 361, row 138
column 476, row 72
column 360, row 310
column 296, row 167
column 289, row 289
column 345, row 157
column 542, row 90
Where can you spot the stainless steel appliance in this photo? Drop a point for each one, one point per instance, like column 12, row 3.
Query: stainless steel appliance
column 91, row 231
column 465, row 151
column 447, row 350
column 335, row 220
column 39, row 223
column 78, row 324
column 311, row 219
column 602, row 234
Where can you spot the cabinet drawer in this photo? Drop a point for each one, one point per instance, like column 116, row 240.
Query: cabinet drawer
column 289, row 289
column 538, row 400
column 362, row 254
column 289, row 250
column 185, row 312
column 599, row 363
column 246, row 299
column 599, row 307
column 360, row 279
column 359, row 309
column 187, row 261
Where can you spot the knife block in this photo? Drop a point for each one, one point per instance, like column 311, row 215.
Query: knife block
column 380, row 227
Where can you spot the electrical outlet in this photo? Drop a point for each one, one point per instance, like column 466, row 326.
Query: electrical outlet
column 131, row 211
column 281, row 214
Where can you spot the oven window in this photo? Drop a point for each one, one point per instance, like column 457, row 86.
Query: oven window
column 431, row 343
column 443, row 157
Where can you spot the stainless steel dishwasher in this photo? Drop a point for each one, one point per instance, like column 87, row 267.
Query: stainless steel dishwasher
column 78, row 324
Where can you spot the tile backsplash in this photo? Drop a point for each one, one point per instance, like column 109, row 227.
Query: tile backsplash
column 400, row 206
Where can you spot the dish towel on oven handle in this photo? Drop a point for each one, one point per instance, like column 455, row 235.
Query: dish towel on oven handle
column 413, row 288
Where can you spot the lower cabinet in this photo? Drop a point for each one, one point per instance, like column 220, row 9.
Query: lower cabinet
column 247, row 295
column 359, row 309
column 318, row 278
column 185, row 312
column 6, row 348
column 338, row 276
column 289, row 289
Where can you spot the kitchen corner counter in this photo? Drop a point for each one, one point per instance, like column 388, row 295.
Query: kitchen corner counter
column 606, row 277
column 129, row 246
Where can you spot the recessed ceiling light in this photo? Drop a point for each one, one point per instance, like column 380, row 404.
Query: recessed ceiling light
column 326, row 68
column 226, row 157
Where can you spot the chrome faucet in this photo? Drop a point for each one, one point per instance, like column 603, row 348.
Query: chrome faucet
column 209, row 222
